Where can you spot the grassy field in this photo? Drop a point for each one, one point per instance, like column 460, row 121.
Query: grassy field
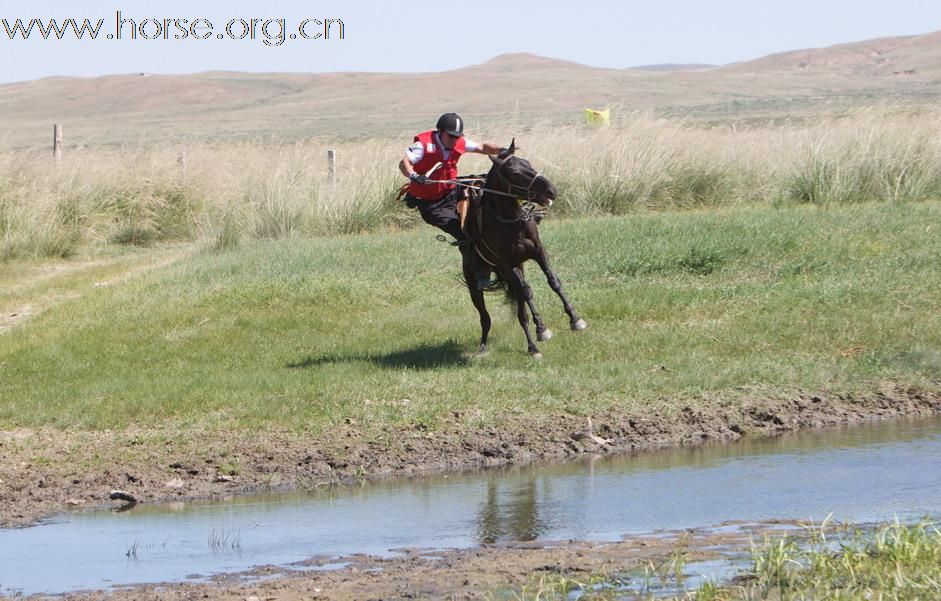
column 377, row 329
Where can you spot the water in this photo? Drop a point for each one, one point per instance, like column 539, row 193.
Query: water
column 862, row 474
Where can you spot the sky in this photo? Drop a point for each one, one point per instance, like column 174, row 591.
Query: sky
column 425, row 35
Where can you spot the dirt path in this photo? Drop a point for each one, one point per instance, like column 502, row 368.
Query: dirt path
column 17, row 313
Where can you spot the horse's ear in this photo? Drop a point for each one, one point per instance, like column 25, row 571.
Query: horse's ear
column 507, row 152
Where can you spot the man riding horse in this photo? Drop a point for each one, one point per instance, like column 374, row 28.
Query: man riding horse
column 430, row 164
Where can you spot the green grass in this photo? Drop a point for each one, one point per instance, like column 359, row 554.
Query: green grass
column 896, row 562
column 377, row 328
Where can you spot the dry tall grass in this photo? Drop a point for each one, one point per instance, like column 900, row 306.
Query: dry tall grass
column 223, row 193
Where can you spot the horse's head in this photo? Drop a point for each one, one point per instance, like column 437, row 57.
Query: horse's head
column 522, row 179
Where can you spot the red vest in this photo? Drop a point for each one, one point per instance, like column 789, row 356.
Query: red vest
column 433, row 155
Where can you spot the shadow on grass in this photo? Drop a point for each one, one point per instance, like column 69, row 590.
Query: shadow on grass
column 421, row 357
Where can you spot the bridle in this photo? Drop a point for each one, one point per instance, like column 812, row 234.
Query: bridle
column 517, row 190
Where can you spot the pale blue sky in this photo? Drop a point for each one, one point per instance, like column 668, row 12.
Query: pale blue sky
column 424, row 35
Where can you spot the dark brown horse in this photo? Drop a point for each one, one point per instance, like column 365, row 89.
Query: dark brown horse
column 504, row 228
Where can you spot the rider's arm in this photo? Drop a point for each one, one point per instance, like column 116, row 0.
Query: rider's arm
column 406, row 167
column 413, row 154
column 485, row 148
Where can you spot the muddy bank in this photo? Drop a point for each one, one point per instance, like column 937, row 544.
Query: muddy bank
column 44, row 472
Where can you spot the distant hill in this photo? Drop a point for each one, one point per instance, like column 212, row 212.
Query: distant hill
column 523, row 61
column 512, row 88
column 672, row 67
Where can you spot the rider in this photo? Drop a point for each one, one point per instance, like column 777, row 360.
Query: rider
column 433, row 157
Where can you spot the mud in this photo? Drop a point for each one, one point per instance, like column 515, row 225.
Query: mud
column 45, row 472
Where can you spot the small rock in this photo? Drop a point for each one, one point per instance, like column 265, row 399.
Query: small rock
column 224, row 478
column 75, row 502
column 122, row 495
column 590, row 435
column 174, row 483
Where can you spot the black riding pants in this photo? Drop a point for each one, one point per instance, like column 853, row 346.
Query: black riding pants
column 440, row 213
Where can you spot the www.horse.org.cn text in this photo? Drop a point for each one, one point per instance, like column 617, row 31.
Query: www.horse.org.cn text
column 268, row 31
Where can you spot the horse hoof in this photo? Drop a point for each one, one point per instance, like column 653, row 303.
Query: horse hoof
column 537, row 356
column 481, row 352
column 581, row 324
column 544, row 335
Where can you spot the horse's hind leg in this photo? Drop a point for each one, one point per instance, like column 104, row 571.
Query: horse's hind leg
column 477, row 297
column 524, row 295
column 576, row 322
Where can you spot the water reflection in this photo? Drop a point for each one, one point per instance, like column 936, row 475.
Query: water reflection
column 798, row 475
column 511, row 514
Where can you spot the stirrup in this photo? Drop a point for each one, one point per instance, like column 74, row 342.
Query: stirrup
column 464, row 242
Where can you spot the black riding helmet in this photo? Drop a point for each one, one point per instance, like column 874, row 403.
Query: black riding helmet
column 451, row 123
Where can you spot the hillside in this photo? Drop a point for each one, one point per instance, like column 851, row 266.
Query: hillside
column 905, row 55
column 524, row 88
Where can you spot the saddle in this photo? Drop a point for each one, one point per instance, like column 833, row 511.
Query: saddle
column 470, row 198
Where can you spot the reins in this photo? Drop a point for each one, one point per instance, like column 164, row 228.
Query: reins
column 475, row 187
column 515, row 190
column 529, row 210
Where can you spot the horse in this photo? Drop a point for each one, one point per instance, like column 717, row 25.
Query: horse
column 502, row 223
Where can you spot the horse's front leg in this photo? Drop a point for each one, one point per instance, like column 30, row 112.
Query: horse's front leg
column 576, row 322
column 477, row 297
column 542, row 332
column 524, row 295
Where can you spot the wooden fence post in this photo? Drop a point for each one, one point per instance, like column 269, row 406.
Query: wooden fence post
column 57, row 142
column 332, row 165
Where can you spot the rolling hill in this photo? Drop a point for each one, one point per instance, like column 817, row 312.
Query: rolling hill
column 522, row 87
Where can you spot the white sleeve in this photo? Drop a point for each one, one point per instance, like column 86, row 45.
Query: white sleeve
column 415, row 152
column 471, row 145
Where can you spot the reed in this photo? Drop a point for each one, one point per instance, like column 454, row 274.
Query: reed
column 221, row 194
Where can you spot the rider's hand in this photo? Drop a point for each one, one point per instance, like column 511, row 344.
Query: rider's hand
column 418, row 178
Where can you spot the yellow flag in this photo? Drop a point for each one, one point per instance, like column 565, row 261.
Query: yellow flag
column 596, row 118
